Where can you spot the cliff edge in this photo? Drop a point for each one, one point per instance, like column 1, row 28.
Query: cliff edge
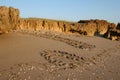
column 10, row 20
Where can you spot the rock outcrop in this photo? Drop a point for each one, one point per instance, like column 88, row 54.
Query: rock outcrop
column 118, row 26
column 9, row 18
column 43, row 24
column 86, row 27
column 113, row 34
column 92, row 27
column 102, row 26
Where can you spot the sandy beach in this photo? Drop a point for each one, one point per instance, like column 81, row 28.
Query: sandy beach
column 48, row 55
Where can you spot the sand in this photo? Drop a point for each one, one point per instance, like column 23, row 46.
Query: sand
column 48, row 55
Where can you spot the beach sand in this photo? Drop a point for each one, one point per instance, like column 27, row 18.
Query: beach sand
column 48, row 55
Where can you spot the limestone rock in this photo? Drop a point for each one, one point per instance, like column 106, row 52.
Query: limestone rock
column 9, row 18
column 84, row 28
column 113, row 34
column 101, row 26
column 118, row 26
column 43, row 24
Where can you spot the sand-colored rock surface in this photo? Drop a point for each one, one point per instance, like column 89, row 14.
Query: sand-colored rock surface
column 9, row 18
column 36, row 24
column 84, row 27
column 118, row 26
column 113, row 34
column 97, row 26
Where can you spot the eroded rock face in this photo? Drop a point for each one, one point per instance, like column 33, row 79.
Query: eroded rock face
column 113, row 34
column 9, row 18
column 101, row 26
column 42, row 24
column 84, row 27
column 118, row 26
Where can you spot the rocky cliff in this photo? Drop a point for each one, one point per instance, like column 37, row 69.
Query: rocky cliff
column 88, row 27
column 92, row 27
column 118, row 26
column 101, row 26
column 43, row 24
column 9, row 18
column 113, row 34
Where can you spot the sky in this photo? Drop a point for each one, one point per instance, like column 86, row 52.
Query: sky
column 70, row 10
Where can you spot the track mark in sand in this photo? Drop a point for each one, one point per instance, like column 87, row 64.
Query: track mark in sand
column 65, row 60
column 59, row 64
column 53, row 36
column 75, row 43
column 24, row 71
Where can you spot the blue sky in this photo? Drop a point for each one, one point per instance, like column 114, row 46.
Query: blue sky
column 71, row 10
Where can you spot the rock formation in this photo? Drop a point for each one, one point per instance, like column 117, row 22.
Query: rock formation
column 84, row 28
column 9, row 18
column 88, row 27
column 101, row 25
column 118, row 26
column 113, row 34
column 43, row 24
